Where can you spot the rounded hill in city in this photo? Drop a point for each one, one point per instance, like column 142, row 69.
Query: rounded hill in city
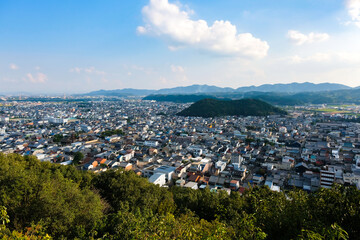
column 243, row 107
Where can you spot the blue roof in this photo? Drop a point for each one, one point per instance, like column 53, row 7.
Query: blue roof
column 165, row 169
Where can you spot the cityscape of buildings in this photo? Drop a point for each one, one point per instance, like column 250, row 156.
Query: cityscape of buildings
column 305, row 149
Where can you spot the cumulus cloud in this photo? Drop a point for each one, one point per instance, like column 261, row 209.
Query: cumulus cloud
column 174, row 23
column 13, row 66
column 299, row 38
column 90, row 70
column 37, row 78
column 353, row 7
column 177, row 69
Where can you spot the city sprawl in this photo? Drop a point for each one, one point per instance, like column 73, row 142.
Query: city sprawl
column 311, row 147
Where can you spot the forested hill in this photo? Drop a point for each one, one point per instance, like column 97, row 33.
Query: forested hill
column 40, row 200
column 242, row 107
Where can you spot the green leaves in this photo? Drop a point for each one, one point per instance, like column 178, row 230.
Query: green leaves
column 4, row 218
column 36, row 192
column 78, row 156
column 38, row 198
column 334, row 232
column 118, row 187
column 111, row 133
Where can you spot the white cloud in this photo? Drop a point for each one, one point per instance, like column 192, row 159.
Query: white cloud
column 169, row 20
column 299, row 38
column 177, row 69
column 135, row 68
column 163, row 80
column 179, row 74
column 13, row 66
column 90, row 70
column 37, row 78
column 331, row 57
column 317, row 57
column 76, row 70
column 141, row 30
column 353, row 7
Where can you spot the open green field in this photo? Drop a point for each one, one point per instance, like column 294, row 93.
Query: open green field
column 331, row 110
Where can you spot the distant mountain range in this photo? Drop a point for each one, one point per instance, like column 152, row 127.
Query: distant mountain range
column 206, row 89
column 294, row 87
column 349, row 96
column 182, row 98
column 120, row 92
column 194, row 89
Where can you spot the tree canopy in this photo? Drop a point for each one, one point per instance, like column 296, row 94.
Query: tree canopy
column 243, row 107
column 40, row 200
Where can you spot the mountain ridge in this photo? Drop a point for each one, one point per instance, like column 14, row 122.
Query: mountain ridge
column 197, row 89
column 349, row 96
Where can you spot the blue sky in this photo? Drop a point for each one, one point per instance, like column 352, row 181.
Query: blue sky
column 79, row 46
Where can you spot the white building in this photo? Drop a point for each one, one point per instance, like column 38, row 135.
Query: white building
column 151, row 143
column 58, row 120
column 192, row 185
column 283, row 130
column 327, row 178
column 85, row 128
column 4, row 119
column 167, row 171
column 158, row 179
column 351, row 178
column 220, row 166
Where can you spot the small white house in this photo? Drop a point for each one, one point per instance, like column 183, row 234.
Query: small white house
column 192, row 185
column 220, row 166
column 151, row 143
column 158, row 179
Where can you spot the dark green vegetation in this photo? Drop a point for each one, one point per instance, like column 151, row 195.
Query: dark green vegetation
column 109, row 133
column 78, row 156
column 243, row 107
column 57, row 138
column 37, row 199
column 178, row 98
column 329, row 97
column 59, row 199
column 277, row 98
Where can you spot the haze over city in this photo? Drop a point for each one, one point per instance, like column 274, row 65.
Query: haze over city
column 81, row 46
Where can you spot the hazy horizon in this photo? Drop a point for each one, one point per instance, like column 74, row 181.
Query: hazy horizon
column 29, row 93
column 55, row 47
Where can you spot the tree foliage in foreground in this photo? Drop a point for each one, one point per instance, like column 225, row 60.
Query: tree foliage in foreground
column 43, row 201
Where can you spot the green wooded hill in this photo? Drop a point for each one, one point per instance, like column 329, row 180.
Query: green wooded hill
column 242, row 107
column 40, row 200
column 347, row 96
